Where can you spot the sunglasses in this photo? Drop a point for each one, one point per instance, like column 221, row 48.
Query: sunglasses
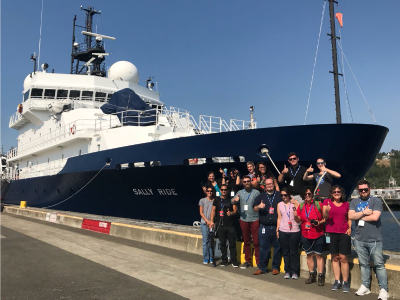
column 307, row 194
column 292, row 159
column 336, row 192
column 320, row 163
column 247, row 181
column 263, row 168
column 223, row 190
column 363, row 190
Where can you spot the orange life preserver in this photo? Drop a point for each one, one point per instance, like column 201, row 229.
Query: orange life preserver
column 73, row 129
column 19, row 109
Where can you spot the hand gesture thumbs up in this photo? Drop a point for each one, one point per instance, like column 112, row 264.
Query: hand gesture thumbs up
column 310, row 169
column 261, row 205
column 285, row 169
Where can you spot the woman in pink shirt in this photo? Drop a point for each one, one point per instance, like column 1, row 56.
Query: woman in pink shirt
column 338, row 229
column 288, row 233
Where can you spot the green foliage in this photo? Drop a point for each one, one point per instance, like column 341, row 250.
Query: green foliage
column 379, row 175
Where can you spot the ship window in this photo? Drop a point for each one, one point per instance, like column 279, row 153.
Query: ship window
column 101, row 97
column 62, row 94
column 80, row 152
column 49, row 94
column 87, row 95
column 74, row 94
column 109, row 96
column 62, row 156
column 37, row 93
column 26, row 95
column 98, row 147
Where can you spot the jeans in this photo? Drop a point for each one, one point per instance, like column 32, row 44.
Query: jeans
column 266, row 240
column 227, row 233
column 250, row 229
column 290, row 251
column 371, row 251
column 206, row 245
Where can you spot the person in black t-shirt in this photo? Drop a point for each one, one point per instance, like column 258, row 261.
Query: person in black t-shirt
column 293, row 177
column 232, row 181
column 266, row 204
column 222, row 221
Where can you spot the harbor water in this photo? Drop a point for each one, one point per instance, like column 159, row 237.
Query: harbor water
column 390, row 231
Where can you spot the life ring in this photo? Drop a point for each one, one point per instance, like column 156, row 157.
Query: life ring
column 19, row 108
column 73, row 129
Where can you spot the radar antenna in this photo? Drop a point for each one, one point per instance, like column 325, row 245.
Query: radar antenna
column 89, row 55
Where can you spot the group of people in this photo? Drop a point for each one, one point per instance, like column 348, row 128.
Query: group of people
column 308, row 210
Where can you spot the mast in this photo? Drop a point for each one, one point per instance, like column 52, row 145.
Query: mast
column 334, row 60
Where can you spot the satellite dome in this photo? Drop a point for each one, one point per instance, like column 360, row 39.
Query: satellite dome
column 27, row 82
column 124, row 70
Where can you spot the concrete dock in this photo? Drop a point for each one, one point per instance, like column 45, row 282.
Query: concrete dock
column 47, row 255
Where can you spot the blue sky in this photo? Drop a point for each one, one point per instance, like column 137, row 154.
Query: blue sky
column 219, row 57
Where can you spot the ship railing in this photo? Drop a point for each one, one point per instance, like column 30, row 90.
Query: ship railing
column 44, row 169
column 241, row 125
column 210, row 124
column 15, row 118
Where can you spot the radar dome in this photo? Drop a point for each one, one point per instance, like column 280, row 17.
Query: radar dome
column 27, row 82
column 124, row 70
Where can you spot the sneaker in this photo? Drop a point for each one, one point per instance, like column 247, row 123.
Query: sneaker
column 346, row 287
column 224, row 264
column 363, row 290
column 336, row 285
column 295, row 276
column 383, row 294
column 205, row 262
column 245, row 265
column 287, row 276
column 211, row 261
column 235, row 264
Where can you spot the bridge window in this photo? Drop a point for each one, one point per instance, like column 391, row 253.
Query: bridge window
column 62, row 94
column 87, row 95
column 26, row 95
column 100, row 97
column 37, row 93
column 49, row 93
column 109, row 96
column 74, row 94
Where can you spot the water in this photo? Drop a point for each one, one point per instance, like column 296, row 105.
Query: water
column 390, row 231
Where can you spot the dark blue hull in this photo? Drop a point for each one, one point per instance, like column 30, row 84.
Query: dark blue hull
column 170, row 192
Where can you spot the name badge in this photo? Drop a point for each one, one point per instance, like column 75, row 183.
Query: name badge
column 263, row 230
column 217, row 193
column 246, row 207
column 271, row 210
column 221, row 213
column 327, row 239
column 307, row 225
column 361, row 223
column 232, row 193
column 290, row 225
column 291, row 183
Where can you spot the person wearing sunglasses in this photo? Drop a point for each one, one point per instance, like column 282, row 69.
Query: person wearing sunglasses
column 288, row 233
column 312, row 230
column 366, row 211
column 205, row 205
column 293, row 177
column 248, row 221
column 338, row 231
column 222, row 221
column 262, row 173
column 266, row 205
column 323, row 179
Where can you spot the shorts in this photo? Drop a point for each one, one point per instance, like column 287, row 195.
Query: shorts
column 339, row 243
column 313, row 245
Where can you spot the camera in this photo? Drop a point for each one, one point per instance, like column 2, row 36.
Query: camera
column 314, row 222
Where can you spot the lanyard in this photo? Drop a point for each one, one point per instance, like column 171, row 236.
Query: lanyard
column 269, row 200
column 294, row 173
column 248, row 195
column 308, row 214
column 223, row 204
column 363, row 205
column 290, row 206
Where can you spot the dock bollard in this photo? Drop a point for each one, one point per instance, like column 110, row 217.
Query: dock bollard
column 23, row 204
